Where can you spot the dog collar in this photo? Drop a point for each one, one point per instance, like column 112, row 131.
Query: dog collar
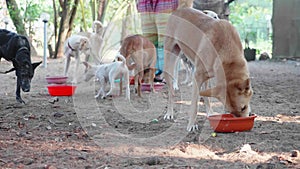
column 70, row 47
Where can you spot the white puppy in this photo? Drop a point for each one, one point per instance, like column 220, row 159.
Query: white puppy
column 74, row 46
column 108, row 73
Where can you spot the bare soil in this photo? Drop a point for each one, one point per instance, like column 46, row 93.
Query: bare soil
column 82, row 132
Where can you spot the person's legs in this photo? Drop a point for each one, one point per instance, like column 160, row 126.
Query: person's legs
column 148, row 27
column 161, row 24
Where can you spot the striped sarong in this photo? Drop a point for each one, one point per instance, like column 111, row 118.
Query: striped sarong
column 155, row 14
column 154, row 18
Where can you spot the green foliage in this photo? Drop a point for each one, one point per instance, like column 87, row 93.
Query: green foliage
column 31, row 12
column 252, row 20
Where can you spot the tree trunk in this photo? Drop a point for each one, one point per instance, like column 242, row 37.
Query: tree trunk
column 72, row 17
column 101, row 9
column 93, row 8
column 66, row 22
column 15, row 15
column 82, row 16
column 55, row 28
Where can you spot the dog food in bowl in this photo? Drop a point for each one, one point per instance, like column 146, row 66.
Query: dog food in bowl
column 228, row 123
column 56, row 79
column 147, row 86
column 61, row 90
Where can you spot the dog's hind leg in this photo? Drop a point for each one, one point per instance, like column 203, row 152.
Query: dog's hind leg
column 151, row 78
column 112, row 77
column 102, row 87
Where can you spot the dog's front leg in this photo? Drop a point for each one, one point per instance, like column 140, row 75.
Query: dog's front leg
column 169, row 67
column 77, row 66
column 112, row 77
column 18, row 91
column 126, row 80
column 194, row 106
column 176, row 72
column 67, row 65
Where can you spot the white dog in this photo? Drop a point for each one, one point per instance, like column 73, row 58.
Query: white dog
column 108, row 73
column 96, row 41
column 74, row 46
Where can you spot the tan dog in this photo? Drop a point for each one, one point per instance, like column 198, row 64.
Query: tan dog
column 142, row 52
column 215, row 49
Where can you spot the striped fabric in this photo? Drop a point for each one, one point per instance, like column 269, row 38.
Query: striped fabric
column 157, row 6
column 155, row 14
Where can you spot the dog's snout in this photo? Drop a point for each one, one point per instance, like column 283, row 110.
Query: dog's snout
column 26, row 89
column 25, row 85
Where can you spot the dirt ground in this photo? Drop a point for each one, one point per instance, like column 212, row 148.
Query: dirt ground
column 81, row 132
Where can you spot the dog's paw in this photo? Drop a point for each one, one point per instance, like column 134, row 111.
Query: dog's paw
column 191, row 128
column 20, row 100
column 168, row 117
column 175, row 87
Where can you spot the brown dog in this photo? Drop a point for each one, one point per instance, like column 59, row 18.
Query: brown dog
column 141, row 51
column 215, row 49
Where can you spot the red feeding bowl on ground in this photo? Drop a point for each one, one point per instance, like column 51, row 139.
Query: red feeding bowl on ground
column 131, row 80
column 228, row 123
column 61, row 90
column 56, row 79
column 157, row 86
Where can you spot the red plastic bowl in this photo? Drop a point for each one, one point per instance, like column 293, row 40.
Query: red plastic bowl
column 157, row 86
column 228, row 123
column 56, row 79
column 61, row 90
column 131, row 80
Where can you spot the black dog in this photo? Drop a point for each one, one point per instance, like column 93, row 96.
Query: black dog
column 16, row 48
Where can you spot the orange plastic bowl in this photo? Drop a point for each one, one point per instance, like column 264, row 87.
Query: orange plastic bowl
column 56, row 79
column 61, row 90
column 228, row 123
column 147, row 86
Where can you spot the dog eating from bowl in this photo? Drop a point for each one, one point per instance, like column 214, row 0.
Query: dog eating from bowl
column 109, row 72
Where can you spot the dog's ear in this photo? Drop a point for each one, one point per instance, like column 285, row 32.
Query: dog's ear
column 10, row 70
column 35, row 65
column 243, row 85
column 83, row 43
